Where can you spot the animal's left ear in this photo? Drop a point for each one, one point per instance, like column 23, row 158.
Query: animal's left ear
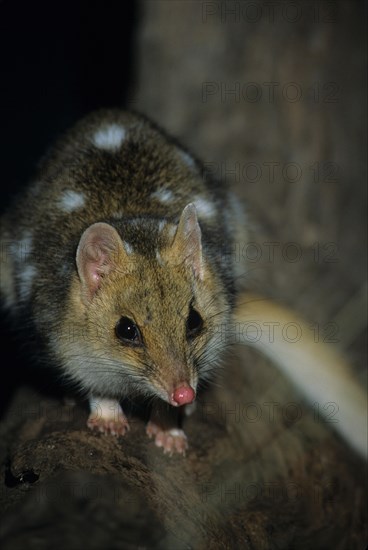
column 187, row 244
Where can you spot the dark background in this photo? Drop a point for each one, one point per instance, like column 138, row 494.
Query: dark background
column 59, row 61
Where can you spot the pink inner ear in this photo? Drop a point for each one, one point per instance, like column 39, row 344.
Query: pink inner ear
column 96, row 255
column 96, row 263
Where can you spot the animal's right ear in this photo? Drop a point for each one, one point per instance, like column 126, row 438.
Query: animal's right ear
column 187, row 244
column 100, row 251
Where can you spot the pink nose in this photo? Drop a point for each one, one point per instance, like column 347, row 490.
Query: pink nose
column 183, row 395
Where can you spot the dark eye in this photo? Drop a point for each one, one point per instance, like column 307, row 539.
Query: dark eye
column 194, row 323
column 128, row 332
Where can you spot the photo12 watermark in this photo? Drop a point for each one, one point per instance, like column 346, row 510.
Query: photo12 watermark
column 235, row 493
column 272, row 92
column 271, row 252
column 269, row 412
column 269, row 11
column 292, row 332
column 273, row 171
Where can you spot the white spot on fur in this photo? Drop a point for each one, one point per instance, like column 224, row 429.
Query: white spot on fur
column 109, row 137
column 159, row 258
column 163, row 195
column 71, row 200
column 188, row 160
column 26, row 277
column 22, row 249
column 118, row 215
column 128, row 248
column 161, row 225
column 205, row 208
column 172, row 230
column 25, row 245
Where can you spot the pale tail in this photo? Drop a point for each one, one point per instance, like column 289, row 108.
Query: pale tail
column 316, row 368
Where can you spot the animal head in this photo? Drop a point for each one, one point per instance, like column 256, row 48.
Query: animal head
column 151, row 320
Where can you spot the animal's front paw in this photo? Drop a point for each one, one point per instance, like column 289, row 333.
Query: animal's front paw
column 107, row 417
column 107, row 425
column 171, row 440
